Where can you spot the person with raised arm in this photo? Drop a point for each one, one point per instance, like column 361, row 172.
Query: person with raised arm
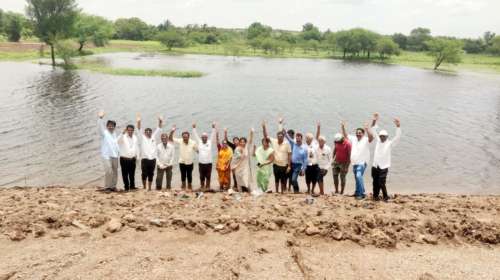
column 360, row 156
column 129, row 152
column 148, row 142
column 165, row 156
column 110, row 152
column 224, row 157
column 282, row 156
column 232, row 145
column 299, row 159
column 187, row 149
column 382, row 157
column 240, row 163
column 264, row 155
column 312, row 169
column 205, row 160
column 341, row 160
column 324, row 154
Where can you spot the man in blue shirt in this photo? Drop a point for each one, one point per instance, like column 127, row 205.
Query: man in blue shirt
column 299, row 159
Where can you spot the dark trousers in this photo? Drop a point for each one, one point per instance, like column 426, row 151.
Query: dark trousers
column 205, row 174
column 148, row 169
column 186, row 172
column 296, row 169
column 379, row 177
column 159, row 177
column 128, row 172
column 312, row 174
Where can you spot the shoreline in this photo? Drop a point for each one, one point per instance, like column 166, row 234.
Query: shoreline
column 79, row 233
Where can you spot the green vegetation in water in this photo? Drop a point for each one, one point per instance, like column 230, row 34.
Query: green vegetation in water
column 98, row 68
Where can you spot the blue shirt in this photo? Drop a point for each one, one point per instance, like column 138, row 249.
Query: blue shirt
column 299, row 153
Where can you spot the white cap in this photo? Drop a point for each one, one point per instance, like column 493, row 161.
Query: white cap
column 338, row 137
column 204, row 134
column 383, row 133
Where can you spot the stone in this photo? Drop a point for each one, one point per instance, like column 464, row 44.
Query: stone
column 8, row 275
column 200, row 229
column 157, row 222
column 337, row 235
column 219, row 227
column 16, row 235
column 430, row 239
column 114, row 225
column 129, row 218
column 312, row 230
column 279, row 221
column 64, row 234
column 79, row 225
column 38, row 230
column 234, row 226
column 141, row 228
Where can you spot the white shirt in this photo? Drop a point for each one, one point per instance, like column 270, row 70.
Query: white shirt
column 360, row 151
column 324, row 157
column 186, row 151
column 109, row 141
column 205, row 149
column 165, row 155
column 312, row 157
column 382, row 154
column 148, row 145
column 129, row 146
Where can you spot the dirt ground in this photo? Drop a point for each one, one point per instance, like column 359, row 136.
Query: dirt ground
column 78, row 233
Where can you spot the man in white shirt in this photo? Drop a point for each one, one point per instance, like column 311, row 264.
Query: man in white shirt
column 165, row 154
column 360, row 156
column 129, row 151
column 282, row 156
column 148, row 142
column 205, row 156
column 187, row 149
column 324, row 154
column 109, row 152
column 382, row 157
column 312, row 169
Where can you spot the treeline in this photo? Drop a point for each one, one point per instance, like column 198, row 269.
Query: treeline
column 56, row 21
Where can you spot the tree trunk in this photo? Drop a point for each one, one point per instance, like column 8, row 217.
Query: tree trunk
column 52, row 55
column 368, row 54
column 81, row 47
column 344, row 54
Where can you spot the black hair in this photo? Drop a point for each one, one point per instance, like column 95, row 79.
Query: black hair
column 236, row 137
column 291, row 131
column 130, row 126
column 266, row 140
column 185, row 132
column 243, row 139
column 360, row 129
column 111, row 122
column 148, row 129
column 299, row 134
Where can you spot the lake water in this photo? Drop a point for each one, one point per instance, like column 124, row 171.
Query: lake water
column 451, row 123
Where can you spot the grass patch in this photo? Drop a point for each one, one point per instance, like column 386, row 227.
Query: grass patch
column 98, row 68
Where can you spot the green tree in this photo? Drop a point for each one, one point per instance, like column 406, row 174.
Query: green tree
column 66, row 50
column 257, row 29
column 387, row 47
column 495, row 46
column 131, row 29
column 172, row 38
column 255, row 44
column 345, row 41
column 366, row 39
column 310, row 32
column 53, row 20
column 2, row 15
column 13, row 26
column 444, row 50
column 488, row 38
column 401, row 40
column 417, row 39
column 474, row 45
column 166, row 26
column 95, row 29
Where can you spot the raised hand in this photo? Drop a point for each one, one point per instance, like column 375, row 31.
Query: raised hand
column 280, row 120
column 375, row 116
column 174, row 128
column 138, row 117
column 397, row 122
column 101, row 114
column 194, row 125
column 214, row 124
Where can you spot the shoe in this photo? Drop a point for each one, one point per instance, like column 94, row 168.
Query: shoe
column 362, row 197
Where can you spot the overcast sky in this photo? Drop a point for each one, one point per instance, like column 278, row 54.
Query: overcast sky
column 463, row 18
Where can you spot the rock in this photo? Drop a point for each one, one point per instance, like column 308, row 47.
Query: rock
column 319, row 213
column 271, row 226
column 51, row 205
column 426, row 276
column 279, row 221
column 141, row 228
column 114, row 225
column 129, row 218
column 430, row 239
column 262, row 251
column 157, row 222
column 16, row 235
column 381, row 240
column 79, row 225
column 312, row 230
column 219, row 227
column 85, row 234
column 64, row 234
column 38, row 231
column 8, row 275
column 200, row 229
column 337, row 235
column 234, row 226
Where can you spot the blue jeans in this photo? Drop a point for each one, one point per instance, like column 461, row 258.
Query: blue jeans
column 296, row 168
column 359, row 171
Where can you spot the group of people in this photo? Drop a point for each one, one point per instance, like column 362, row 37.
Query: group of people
column 287, row 157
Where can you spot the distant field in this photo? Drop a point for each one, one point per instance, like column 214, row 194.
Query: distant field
column 470, row 62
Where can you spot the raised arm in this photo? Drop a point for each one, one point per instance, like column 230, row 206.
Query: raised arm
column 213, row 134
column 171, row 134
column 138, row 123
column 264, row 129
column 217, row 142
column 373, row 128
column 318, row 130
column 195, row 134
column 100, row 123
column 369, row 133
column 344, row 131
column 397, row 137
column 250, row 139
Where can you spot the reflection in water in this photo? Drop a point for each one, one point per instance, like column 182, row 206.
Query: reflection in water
column 451, row 123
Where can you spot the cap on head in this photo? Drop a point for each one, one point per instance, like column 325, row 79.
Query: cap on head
column 383, row 133
column 338, row 137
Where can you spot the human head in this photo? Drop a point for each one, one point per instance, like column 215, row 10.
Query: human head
column 185, row 136
column 164, row 138
column 130, row 130
column 148, row 132
column 360, row 132
column 338, row 138
column 111, row 125
column 265, row 143
column 298, row 138
column 224, row 144
column 243, row 142
column 309, row 138
column 291, row 133
column 280, row 136
column 321, row 141
column 204, row 138
column 383, row 134
column 236, row 141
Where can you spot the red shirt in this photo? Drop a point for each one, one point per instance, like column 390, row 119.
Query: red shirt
column 343, row 151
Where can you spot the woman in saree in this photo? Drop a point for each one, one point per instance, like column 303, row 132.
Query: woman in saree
column 224, row 157
column 265, row 157
column 241, row 163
